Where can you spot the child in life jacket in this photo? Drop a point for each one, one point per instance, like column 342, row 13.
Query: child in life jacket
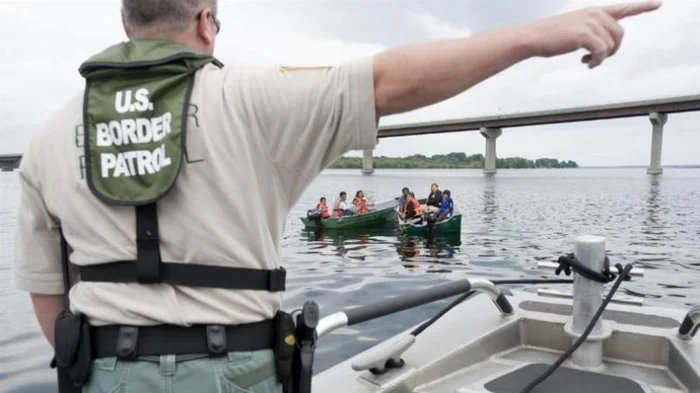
column 412, row 208
column 323, row 207
column 361, row 206
column 447, row 206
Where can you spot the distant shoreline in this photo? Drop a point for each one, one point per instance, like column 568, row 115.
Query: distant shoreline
column 454, row 160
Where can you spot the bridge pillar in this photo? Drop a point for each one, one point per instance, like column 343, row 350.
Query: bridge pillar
column 490, row 160
column 367, row 167
column 657, row 121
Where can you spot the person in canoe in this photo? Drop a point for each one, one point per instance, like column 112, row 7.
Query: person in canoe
column 447, row 207
column 404, row 196
column 361, row 205
column 434, row 199
column 412, row 209
column 323, row 207
column 340, row 206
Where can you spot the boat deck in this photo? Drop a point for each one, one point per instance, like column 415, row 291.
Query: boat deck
column 473, row 349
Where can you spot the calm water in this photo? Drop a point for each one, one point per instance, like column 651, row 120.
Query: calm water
column 511, row 222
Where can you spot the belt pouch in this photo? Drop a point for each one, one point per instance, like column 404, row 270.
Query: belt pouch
column 73, row 350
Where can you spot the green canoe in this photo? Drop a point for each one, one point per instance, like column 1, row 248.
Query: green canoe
column 379, row 214
column 452, row 225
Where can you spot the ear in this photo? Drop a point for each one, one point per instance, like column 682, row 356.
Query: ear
column 125, row 25
column 205, row 29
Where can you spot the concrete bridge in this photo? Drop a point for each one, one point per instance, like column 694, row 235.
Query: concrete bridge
column 8, row 162
column 491, row 126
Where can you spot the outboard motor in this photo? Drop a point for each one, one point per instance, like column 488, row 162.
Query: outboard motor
column 315, row 215
column 431, row 219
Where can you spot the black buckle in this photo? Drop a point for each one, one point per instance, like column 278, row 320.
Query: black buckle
column 277, row 280
column 216, row 340
column 127, row 342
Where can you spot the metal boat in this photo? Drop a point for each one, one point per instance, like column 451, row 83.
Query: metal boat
column 476, row 347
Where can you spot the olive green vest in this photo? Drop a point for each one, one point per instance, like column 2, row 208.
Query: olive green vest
column 135, row 107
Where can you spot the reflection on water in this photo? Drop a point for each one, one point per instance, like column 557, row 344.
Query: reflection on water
column 510, row 222
column 653, row 201
column 489, row 201
column 346, row 243
column 437, row 247
column 654, row 226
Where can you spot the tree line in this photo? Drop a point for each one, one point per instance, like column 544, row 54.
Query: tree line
column 451, row 160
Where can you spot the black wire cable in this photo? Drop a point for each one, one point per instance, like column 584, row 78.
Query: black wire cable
column 624, row 273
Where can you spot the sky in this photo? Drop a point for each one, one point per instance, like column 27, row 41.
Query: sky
column 43, row 42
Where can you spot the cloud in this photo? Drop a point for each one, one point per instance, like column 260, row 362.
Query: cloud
column 660, row 57
column 435, row 28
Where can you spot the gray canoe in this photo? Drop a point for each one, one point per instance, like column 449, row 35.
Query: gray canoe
column 477, row 348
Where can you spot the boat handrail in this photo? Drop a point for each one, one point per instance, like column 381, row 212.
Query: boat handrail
column 388, row 355
column 393, row 305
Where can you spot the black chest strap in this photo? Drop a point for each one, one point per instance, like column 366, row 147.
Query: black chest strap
column 149, row 269
column 147, row 244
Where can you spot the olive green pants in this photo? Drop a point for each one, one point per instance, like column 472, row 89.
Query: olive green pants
column 238, row 372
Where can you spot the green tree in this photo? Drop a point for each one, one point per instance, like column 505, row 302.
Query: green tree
column 451, row 160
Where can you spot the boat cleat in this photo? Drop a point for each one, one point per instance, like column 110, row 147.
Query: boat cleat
column 385, row 356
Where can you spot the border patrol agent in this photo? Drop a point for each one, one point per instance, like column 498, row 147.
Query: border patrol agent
column 132, row 186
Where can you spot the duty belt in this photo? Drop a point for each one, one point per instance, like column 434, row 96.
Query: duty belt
column 130, row 342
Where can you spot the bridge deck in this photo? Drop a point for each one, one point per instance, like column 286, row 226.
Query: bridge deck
column 566, row 115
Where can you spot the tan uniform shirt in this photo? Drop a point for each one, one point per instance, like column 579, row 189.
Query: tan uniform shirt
column 256, row 138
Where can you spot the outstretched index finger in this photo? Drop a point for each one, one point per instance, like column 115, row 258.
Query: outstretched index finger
column 619, row 11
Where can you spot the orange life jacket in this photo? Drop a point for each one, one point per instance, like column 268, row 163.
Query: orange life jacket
column 361, row 205
column 324, row 210
column 416, row 207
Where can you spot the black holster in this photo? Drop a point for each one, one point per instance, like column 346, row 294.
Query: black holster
column 285, row 346
column 306, row 337
column 73, row 352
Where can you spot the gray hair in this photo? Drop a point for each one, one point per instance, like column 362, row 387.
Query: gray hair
column 163, row 15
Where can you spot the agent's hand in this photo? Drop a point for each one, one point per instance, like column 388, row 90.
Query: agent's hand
column 595, row 29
